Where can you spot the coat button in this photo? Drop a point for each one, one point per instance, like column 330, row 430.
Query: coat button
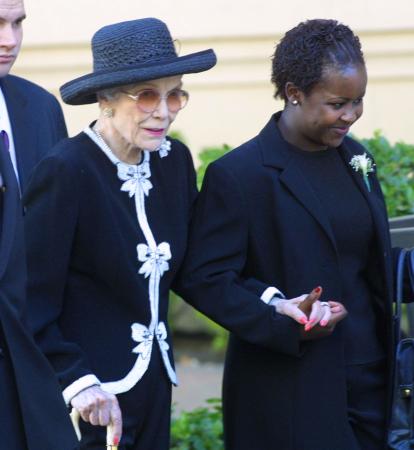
column 3, row 188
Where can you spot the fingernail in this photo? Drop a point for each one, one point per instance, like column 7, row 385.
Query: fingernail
column 307, row 327
column 317, row 289
column 311, row 321
column 323, row 323
column 302, row 320
column 116, row 440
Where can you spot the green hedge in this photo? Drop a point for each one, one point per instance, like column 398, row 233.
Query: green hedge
column 395, row 169
column 394, row 165
column 200, row 429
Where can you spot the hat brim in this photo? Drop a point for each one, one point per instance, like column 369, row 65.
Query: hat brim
column 82, row 90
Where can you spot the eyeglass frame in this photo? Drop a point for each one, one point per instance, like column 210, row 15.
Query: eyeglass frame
column 162, row 97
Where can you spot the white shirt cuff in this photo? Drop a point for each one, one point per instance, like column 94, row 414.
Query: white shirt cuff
column 79, row 385
column 269, row 293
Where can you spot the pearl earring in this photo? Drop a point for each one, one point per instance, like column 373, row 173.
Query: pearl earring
column 294, row 102
column 108, row 113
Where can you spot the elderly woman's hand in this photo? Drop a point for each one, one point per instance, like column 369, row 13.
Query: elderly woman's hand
column 306, row 309
column 99, row 408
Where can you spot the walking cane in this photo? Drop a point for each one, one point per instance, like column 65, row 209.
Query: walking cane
column 75, row 416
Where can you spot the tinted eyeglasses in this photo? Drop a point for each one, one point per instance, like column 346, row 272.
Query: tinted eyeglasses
column 148, row 100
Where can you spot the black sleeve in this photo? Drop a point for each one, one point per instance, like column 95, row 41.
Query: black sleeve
column 51, row 202
column 211, row 278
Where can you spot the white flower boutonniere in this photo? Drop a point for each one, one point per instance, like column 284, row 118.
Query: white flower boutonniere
column 363, row 164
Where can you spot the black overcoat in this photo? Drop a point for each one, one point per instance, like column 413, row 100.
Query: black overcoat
column 257, row 218
column 34, row 397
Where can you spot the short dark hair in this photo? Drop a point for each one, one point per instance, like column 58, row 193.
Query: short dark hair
column 307, row 50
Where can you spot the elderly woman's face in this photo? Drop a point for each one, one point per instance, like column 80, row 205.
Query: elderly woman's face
column 143, row 113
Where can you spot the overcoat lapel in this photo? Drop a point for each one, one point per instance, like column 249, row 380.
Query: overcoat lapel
column 20, row 120
column 9, row 208
column 376, row 205
column 276, row 153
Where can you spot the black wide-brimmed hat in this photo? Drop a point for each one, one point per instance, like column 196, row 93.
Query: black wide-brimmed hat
column 130, row 52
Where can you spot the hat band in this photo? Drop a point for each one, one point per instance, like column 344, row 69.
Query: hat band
column 154, row 62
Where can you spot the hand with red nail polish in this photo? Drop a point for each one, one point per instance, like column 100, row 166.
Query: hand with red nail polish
column 319, row 314
column 327, row 324
column 99, row 408
column 290, row 307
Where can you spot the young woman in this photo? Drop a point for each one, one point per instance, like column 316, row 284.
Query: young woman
column 299, row 206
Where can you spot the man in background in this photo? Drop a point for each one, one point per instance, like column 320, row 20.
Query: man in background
column 31, row 119
column 33, row 415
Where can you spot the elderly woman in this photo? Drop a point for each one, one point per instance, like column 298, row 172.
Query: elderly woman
column 107, row 214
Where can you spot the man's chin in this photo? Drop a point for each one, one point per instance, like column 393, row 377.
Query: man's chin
column 5, row 69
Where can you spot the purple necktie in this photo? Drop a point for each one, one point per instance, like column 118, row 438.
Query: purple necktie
column 5, row 139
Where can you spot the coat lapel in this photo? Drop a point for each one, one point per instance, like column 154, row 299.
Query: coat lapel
column 10, row 202
column 275, row 153
column 17, row 107
column 374, row 201
column 376, row 205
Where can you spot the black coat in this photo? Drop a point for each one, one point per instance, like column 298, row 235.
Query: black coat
column 36, row 120
column 35, row 392
column 257, row 218
column 84, row 286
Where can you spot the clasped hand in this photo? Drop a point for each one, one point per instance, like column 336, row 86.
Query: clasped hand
column 318, row 318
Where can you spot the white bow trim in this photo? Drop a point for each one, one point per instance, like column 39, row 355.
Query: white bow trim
column 154, row 259
column 141, row 334
column 134, row 176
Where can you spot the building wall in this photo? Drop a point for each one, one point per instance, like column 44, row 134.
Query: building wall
column 231, row 102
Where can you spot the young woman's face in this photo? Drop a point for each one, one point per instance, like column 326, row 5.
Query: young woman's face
column 324, row 116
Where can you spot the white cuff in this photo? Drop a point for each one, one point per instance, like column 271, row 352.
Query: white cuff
column 79, row 385
column 269, row 293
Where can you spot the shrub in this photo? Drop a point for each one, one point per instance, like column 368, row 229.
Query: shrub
column 395, row 169
column 200, row 429
column 206, row 156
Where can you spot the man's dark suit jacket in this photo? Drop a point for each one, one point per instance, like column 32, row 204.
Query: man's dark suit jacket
column 36, row 119
column 35, row 392
column 37, row 124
